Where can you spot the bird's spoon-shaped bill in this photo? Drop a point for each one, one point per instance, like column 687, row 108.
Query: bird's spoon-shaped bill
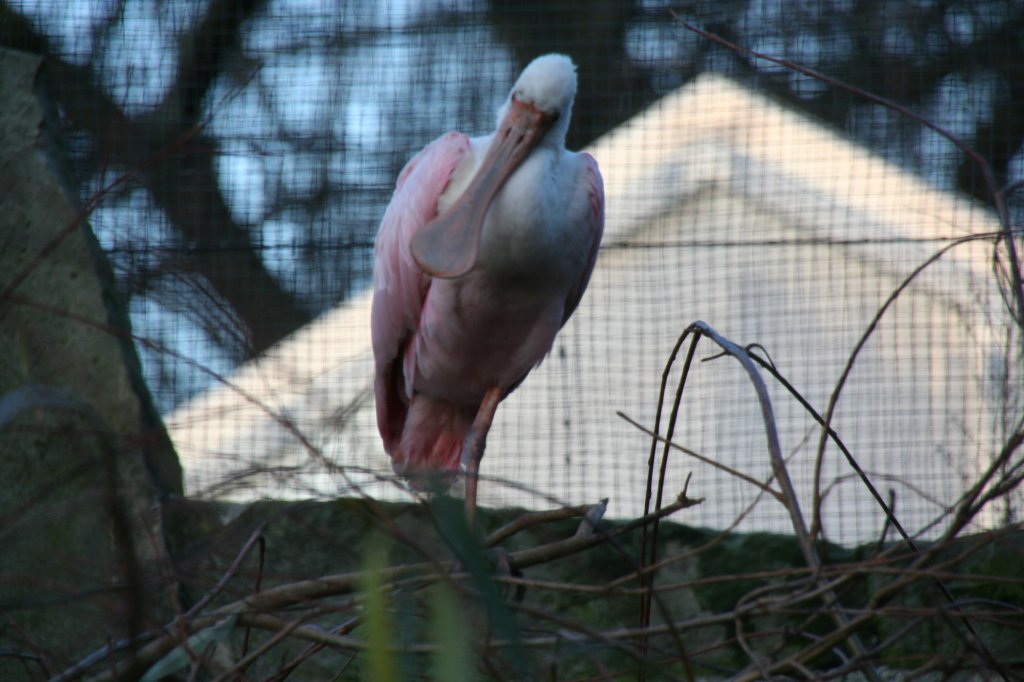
column 448, row 245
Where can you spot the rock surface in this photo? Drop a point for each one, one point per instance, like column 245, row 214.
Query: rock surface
column 84, row 459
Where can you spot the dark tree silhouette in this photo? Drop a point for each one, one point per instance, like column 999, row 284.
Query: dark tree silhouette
column 174, row 160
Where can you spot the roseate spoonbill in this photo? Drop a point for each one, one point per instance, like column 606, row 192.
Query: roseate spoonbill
column 481, row 257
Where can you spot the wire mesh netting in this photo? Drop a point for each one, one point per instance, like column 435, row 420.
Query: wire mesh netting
column 237, row 158
column 805, row 318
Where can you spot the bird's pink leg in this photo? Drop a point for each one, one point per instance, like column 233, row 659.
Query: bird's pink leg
column 473, row 449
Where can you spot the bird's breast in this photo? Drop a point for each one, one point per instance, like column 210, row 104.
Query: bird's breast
column 527, row 225
column 495, row 323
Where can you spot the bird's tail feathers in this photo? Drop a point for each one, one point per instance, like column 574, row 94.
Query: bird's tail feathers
column 429, row 453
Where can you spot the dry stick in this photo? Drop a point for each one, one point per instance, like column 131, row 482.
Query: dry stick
column 532, row 556
column 886, row 507
column 718, row 619
column 904, row 579
column 284, row 672
column 773, row 598
column 439, row 569
column 240, row 667
column 828, row 432
column 719, row 537
column 844, row 375
column 835, row 584
column 827, row 643
column 580, row 628
column 251, row 610
column 796, row 661
column 79, row 668
column 827, row 424
column 782, row 476
column 654, row 445
column 533, row 519
column 973, row 501
column 838, row 582
column 262, row 542
column 706, row 460
column 612, row 588
column 587, row 528
column 998, row 199
column 648, row 558
column 38, row 653
column 741, row 640
column 314, row 634
column 228, row 574
column 963, row 507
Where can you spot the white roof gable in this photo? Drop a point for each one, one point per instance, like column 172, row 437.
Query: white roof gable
column 721, row 206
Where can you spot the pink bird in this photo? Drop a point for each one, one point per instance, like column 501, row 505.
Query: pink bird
column 481, row 257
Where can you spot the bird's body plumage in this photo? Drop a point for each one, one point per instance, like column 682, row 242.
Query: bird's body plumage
column 440, row 343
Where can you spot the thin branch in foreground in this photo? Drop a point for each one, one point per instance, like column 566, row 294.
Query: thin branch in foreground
column 255, row 610
column 788, row 491
column 764, row 487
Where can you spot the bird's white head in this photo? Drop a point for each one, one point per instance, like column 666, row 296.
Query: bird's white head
column 536, row 113
column 549, row 84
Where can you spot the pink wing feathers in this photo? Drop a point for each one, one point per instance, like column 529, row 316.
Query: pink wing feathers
column 400, row 289
column 422, row 434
